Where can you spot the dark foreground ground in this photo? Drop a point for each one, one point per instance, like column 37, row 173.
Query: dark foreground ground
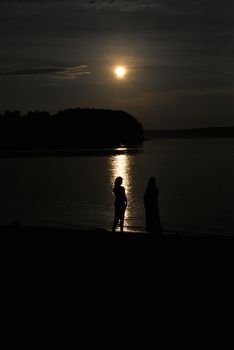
column 55, row 278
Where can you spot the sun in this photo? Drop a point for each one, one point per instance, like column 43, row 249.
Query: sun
column 120, row 72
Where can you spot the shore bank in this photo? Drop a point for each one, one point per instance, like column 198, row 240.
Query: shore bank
column 60, row 274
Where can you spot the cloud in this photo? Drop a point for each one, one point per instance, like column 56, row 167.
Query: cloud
column 64, row 15
column 59, row 72
column 155, row 15
column 126, row 5
column 90, row 4
column 182, row 6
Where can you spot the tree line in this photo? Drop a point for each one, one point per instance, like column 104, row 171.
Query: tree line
column 68, row 129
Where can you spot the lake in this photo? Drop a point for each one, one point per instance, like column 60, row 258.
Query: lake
column 195, row 178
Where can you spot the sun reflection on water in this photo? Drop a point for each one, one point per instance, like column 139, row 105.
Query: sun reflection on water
column 121, row 166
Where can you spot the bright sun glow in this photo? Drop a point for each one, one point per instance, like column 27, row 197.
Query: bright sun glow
column 120, row 72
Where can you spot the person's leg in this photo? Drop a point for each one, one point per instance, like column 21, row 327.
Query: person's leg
column 121, row 225
column 115, row 223
column 122, row 222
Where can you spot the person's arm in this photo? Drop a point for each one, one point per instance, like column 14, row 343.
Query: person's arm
column 125, row 198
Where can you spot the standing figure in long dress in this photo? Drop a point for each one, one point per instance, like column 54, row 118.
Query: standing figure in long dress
column 120, row 203
column 152, row 216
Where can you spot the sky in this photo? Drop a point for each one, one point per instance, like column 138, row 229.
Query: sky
column 179, row 57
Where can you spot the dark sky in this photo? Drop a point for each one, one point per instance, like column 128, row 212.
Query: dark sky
column 179, row 54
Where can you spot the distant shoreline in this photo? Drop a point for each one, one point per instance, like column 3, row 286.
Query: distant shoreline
column 197, row 133
column 84, row 152
column 78, row 231
column 212, row 132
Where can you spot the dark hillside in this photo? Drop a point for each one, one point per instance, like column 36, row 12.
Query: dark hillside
column 68, row 129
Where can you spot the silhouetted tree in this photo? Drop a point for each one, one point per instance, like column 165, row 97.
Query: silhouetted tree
column 69, row 129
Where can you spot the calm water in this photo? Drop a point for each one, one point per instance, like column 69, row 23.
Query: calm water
column 195, row 179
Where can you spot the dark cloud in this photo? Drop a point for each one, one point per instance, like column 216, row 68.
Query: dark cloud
column 91, row 4
column 123, row 15
column 57, row 72
column 185, row 7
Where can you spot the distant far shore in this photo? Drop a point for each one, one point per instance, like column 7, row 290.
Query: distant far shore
column 212, row 132
column 86, row 152
column 216, row 132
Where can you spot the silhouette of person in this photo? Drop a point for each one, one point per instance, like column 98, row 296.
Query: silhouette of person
column 152, row 217
column 120, row 203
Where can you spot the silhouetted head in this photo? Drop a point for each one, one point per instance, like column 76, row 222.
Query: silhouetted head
column 151, row 181
column 118, row 181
